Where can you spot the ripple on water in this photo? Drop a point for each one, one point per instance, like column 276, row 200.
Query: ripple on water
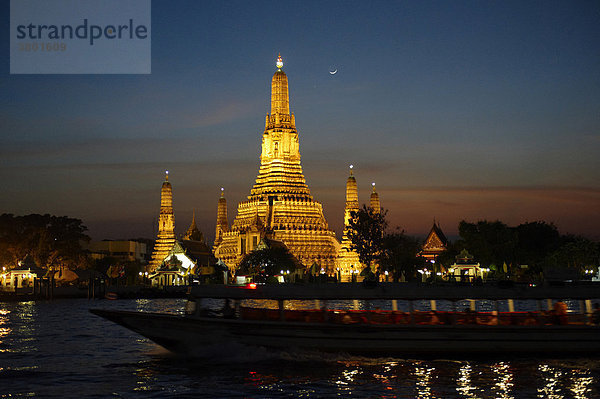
column 59, row 349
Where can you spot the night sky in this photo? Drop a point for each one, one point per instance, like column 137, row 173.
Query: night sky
column 457, row 110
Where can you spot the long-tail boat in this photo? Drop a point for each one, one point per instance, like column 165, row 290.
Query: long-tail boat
column 376, row 331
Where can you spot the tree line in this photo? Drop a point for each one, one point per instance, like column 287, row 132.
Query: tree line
column 50, row 241
column 525, row 251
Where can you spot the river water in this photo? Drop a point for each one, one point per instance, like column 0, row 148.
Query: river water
column 59, row 349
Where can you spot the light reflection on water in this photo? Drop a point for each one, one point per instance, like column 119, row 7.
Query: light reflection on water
column 423, row 376
column 504, row 380
column 60, row 349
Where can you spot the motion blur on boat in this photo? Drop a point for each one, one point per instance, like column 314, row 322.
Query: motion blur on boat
column 354, row 318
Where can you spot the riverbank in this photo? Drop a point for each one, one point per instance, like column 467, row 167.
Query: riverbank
column 98, row 292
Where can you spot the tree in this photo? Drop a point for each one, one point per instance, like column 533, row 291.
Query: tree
column 491, row 243
column 366, row 231
column 267, row 260
column 50, row 240
column 536, row 240
column 575, row 253
column 399, row 255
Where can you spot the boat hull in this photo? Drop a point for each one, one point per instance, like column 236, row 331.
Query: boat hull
column 182, row 334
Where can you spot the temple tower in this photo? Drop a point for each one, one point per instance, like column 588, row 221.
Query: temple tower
column 222, row 224
column 193, row 233
column 375, row 204
column 348, row 262
column 166, row 226
column 280, row 206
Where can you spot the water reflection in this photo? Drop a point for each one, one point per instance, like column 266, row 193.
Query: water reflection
column 347, row 377
column 4, row 328
column 582, row 384
column 18, row 328
column 551, row 378
column 504, row 380
column 464, row 383
column 145, row 377
column 423, row 374
column 54, row 347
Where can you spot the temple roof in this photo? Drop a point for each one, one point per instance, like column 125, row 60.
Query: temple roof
column 436, row 239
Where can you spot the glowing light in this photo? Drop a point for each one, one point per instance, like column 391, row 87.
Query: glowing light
column 504, row 384
column 464, row 382
column 279, row 62
column 424, row 378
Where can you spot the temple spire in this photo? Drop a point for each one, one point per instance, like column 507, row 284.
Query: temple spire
column 280, row 206
column 192, row 232
column 166, row 226
column 347, row 261
column 351, row 194
column 222, row 224
column 375, row 204
column 280, row 99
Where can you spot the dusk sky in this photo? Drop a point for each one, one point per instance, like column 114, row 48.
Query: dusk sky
column 456, row 109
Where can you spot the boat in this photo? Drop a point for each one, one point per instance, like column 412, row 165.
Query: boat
column 372, row 332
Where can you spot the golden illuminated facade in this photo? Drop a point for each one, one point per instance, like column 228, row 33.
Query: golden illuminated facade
column 347, row 261
column 374, row 203
column 435, row 244
column 166, row 226
column 280, row 206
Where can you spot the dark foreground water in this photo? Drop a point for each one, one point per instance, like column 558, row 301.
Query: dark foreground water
column 58, row 349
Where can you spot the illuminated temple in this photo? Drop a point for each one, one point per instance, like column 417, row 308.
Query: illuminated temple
column 280, row 206
column 348, row 263
column 166, row 226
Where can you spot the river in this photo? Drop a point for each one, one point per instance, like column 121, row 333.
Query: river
column 58, row 349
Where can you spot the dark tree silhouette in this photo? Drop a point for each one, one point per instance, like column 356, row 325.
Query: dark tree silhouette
column 366, row 231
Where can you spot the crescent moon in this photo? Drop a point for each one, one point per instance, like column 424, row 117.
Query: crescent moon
column 333, row 72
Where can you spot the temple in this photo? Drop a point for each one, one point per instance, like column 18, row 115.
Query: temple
column 435, row 243
column 166, row 226
column 280, row 206
column 348, row 264
column 222, row 224
column 374, row 201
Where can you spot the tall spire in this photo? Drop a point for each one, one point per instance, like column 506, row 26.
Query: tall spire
column 280, row 171
column 222, row 224
column 280, row 99
column 351, row 200
column 166, row 201
column 347, row 261
column 166, row 226
column 375, row 205
column 351, row 191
